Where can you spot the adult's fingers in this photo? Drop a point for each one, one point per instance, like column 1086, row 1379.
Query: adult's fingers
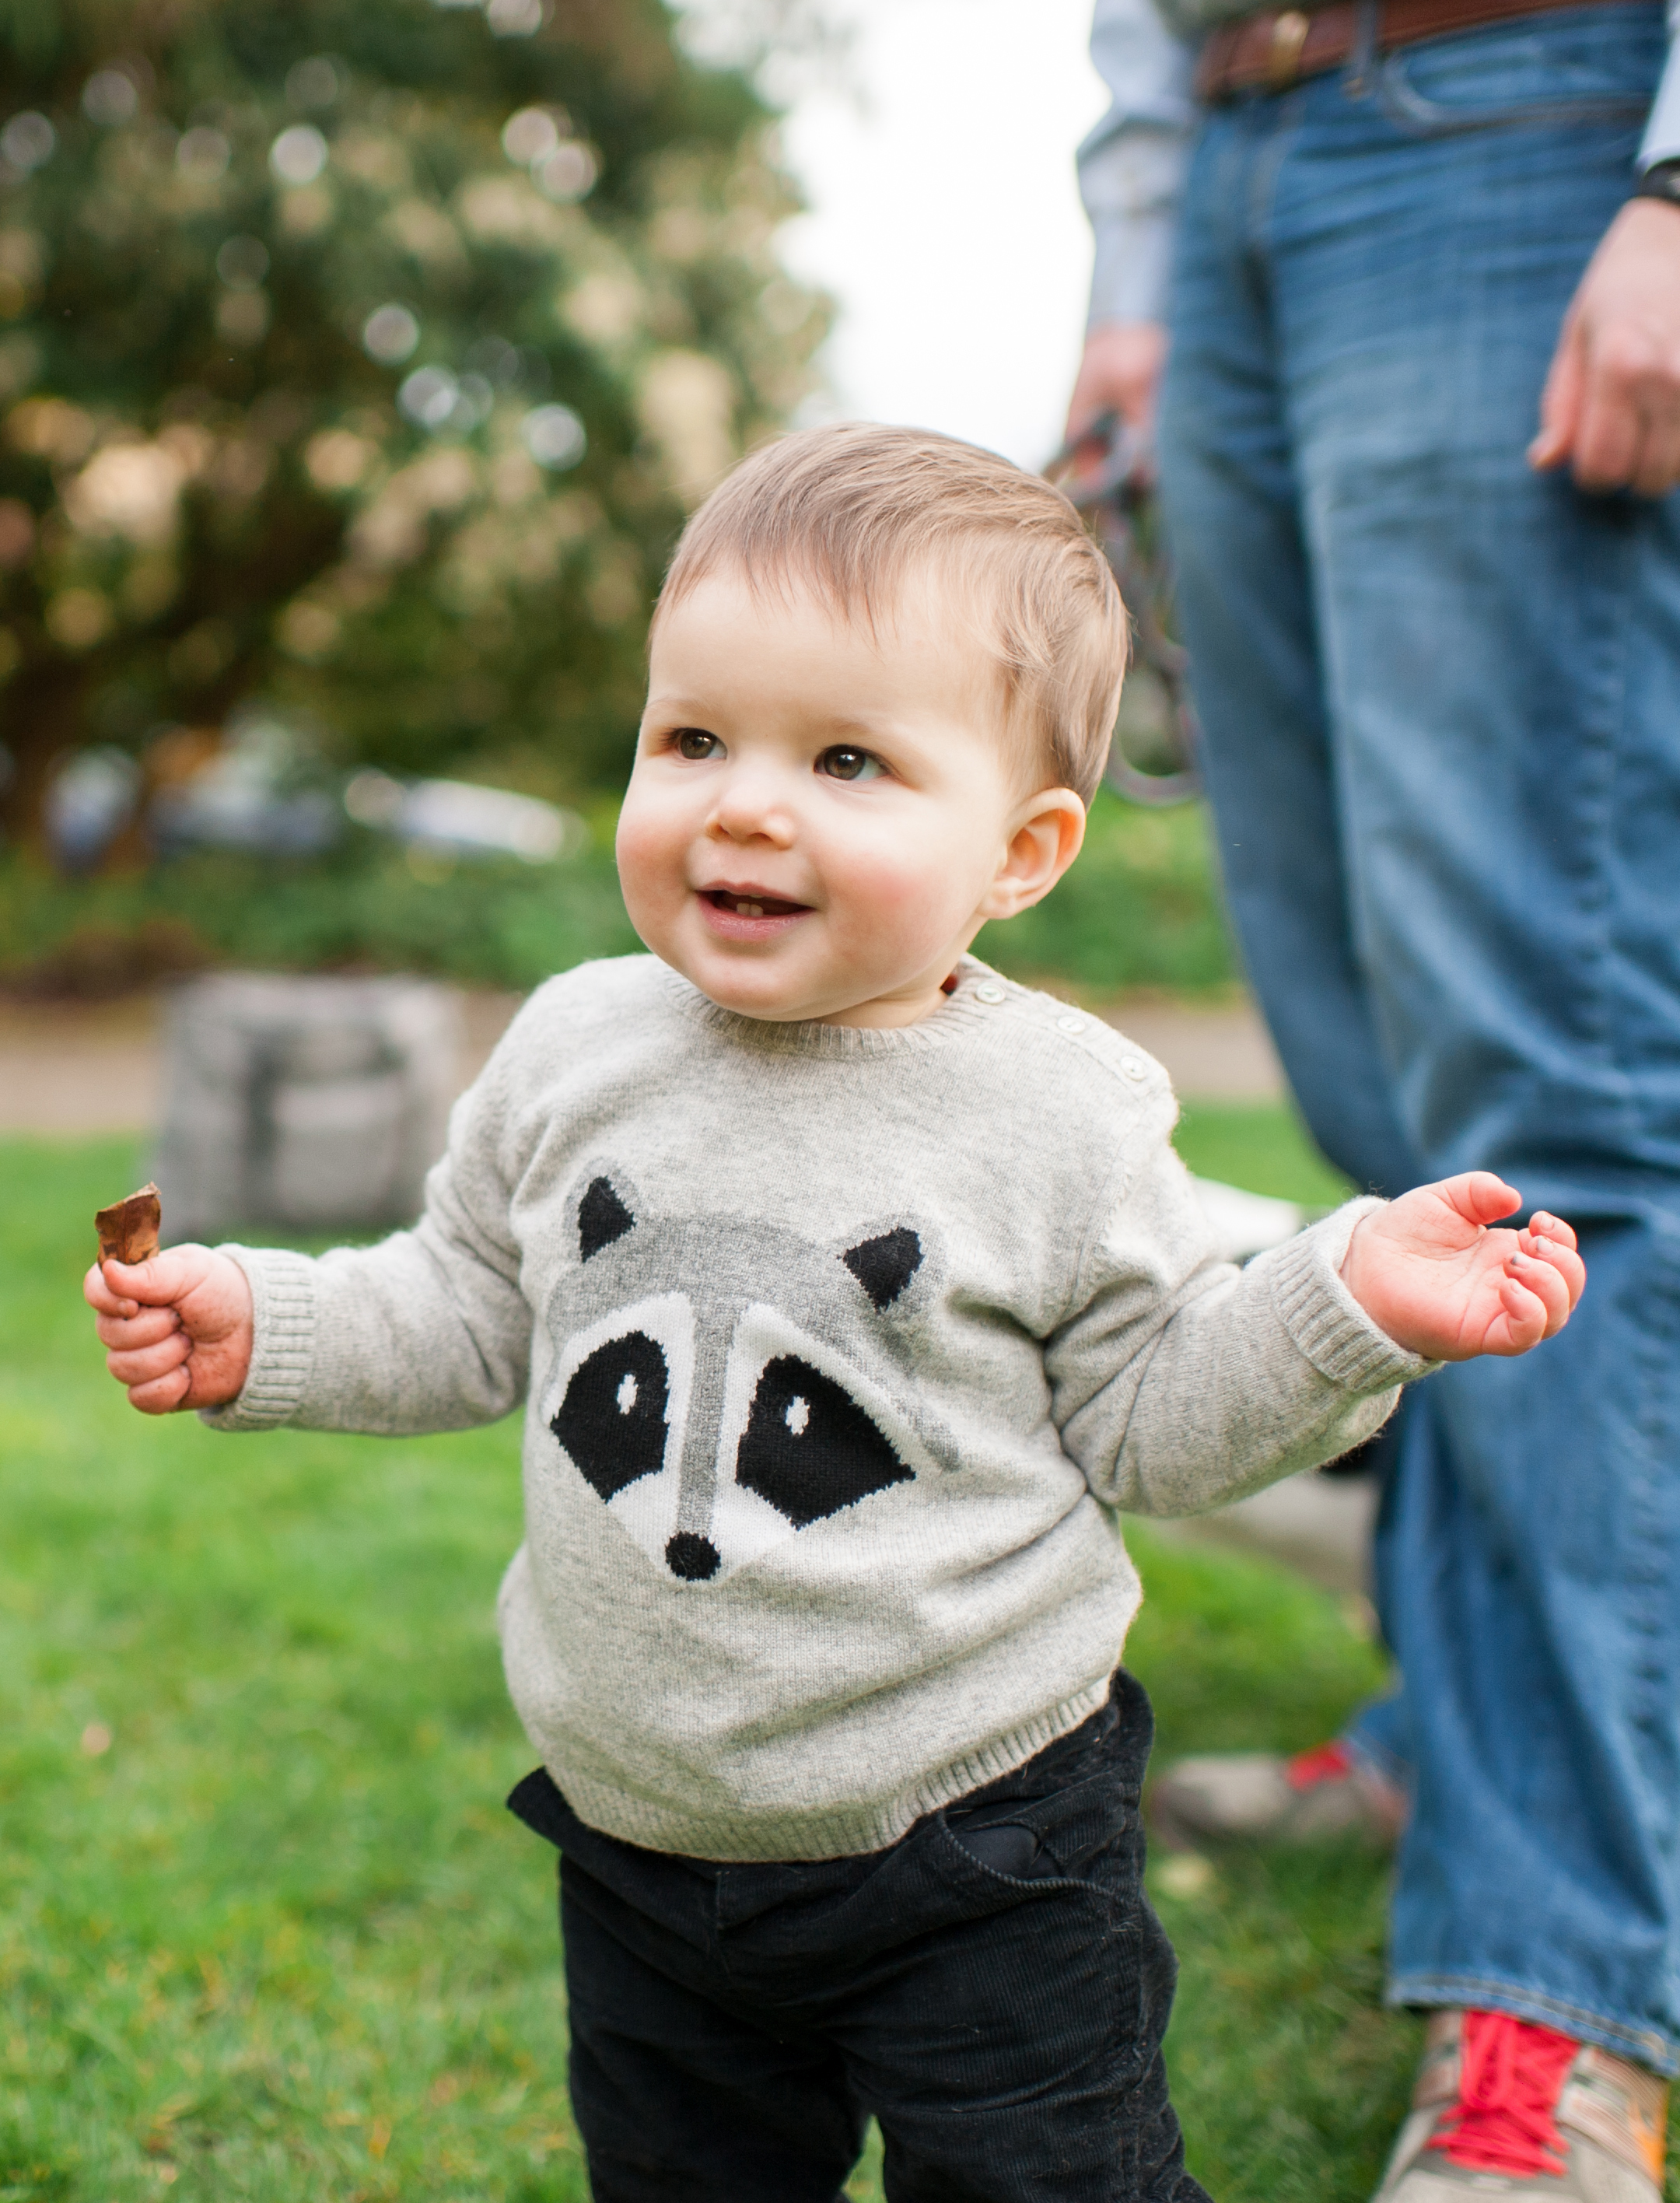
column 1120, row 372
column 1560, row 399
column 1658, row 468
column 1606, row 444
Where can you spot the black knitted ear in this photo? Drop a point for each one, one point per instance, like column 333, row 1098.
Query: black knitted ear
column 602, row 1217
column 884, row 1266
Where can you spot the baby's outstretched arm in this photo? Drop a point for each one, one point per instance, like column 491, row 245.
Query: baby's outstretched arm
column 1179, row 1389
column 1428, row 1271
column 177, row 1329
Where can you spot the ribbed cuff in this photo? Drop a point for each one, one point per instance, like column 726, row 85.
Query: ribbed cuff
column 282, row 1292
column 1322, row 1317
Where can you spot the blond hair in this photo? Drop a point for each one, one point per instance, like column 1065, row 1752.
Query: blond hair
column 852, row 511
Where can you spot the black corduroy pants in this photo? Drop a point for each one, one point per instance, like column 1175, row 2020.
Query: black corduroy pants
column 993, row 1989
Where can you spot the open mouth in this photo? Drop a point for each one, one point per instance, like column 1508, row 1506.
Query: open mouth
column 748, row 904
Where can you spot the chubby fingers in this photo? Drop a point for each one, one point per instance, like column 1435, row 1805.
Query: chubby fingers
column 153, row 1284
column 1479, row 1196
column 1525, row 1318
column 1540, row 1289
column 143, row 1365
column 100, row 1296
column 1544, row 1225
column 161, row 1396
column 1549, row 1241
column 139, row 1327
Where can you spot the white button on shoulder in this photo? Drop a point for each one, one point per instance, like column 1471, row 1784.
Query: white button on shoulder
column 1069, row 1025
column 988, row 993
column 1135, row 1066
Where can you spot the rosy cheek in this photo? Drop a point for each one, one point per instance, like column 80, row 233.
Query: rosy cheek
column 891, row 886
column 649, row 849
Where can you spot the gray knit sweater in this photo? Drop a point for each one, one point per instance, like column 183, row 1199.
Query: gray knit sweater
column 840, row 1350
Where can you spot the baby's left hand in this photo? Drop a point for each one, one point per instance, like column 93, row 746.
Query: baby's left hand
column 1427, row 1270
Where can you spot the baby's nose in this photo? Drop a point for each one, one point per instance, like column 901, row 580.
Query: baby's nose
column 754, row 809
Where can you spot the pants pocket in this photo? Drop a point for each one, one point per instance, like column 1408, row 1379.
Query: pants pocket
column 1593, row 65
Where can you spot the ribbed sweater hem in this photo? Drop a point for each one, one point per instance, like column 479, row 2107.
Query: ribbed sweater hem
column 283, row 1309
column 1325, row 1321
column 837, row 1831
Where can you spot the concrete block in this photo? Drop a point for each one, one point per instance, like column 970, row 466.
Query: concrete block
column 310, row 1104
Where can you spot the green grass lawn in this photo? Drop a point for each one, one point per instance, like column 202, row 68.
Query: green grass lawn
column 1265, row 1148
column 265, row 1929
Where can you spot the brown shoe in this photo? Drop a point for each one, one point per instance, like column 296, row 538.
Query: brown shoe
column 1256, row 1797
column 1503, row 2110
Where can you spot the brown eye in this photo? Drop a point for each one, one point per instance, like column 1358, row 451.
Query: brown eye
column 843, row 763
column 695, row 743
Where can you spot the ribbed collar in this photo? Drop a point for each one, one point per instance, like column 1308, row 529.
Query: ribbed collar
column 957, row 1014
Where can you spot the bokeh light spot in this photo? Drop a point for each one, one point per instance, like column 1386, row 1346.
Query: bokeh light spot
column 554, row 436
column 516, row 19
column 529, row 135
column 390, row 334
column 568, row 174
column 428, row 396
column 298, row 154
column 110, row 98
column 27, row 140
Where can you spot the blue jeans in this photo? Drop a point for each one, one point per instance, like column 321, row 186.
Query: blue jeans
column 1442, row 704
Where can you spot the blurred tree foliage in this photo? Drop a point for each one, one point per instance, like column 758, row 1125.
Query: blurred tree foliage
column 366, row 353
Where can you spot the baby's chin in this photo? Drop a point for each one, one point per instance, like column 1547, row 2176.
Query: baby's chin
column 756, row 988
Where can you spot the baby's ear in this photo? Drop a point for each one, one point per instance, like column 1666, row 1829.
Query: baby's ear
column 885, row 1264
column 605, row 1210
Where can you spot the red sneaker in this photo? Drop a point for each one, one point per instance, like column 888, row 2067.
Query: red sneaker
column 1504, row 2108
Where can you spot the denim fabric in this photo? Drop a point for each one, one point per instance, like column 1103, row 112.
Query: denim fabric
column 993, row 1989
column 1442, row 698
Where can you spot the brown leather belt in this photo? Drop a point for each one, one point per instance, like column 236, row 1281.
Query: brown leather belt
column 1276, row 48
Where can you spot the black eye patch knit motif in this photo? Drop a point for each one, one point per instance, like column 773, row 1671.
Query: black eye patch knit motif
column 612, row 1419
column 809, row 1449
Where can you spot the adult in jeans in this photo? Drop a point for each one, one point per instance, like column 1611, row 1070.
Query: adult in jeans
column 1417, row 291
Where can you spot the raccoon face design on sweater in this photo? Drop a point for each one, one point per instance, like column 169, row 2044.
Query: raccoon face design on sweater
column 723, row 1384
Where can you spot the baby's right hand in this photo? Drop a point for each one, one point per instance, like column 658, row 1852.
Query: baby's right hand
column 178, row 1329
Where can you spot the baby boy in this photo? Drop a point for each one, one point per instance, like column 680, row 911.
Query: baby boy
column 850, row 1292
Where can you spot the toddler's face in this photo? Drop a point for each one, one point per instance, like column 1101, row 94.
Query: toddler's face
column 820, row 819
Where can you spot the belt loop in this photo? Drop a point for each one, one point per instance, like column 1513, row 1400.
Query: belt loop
column 1362, row 62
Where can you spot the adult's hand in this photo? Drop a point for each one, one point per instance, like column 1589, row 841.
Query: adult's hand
column 1120, row 373
column 1611, row 407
